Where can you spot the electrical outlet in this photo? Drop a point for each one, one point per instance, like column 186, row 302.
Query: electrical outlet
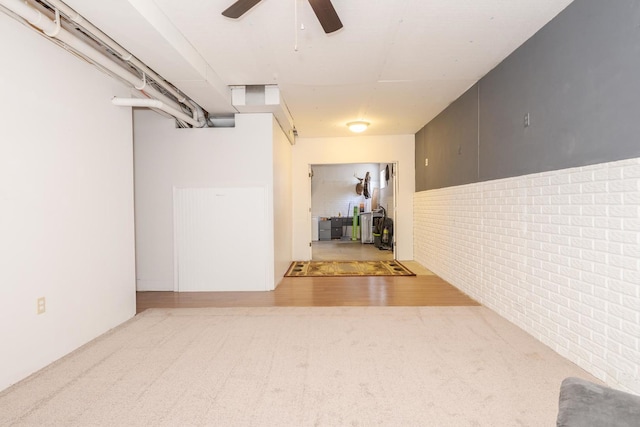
column 527, row 120
column 426, row 162
column 42, row 307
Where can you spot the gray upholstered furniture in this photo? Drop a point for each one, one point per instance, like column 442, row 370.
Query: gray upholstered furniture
column 586, row 404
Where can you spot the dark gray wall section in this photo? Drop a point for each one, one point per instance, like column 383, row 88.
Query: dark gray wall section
column 450, row 142
column 421, row 171
column 579, row 80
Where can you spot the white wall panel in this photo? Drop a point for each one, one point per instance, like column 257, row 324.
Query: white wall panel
column 66, row 203
column 168, row 158
column 221, row 239
column 282, row 203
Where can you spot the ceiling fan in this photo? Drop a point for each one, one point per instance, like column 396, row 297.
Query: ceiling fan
column 323, row 9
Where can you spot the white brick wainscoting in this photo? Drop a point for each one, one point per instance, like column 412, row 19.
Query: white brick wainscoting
column 556, row 253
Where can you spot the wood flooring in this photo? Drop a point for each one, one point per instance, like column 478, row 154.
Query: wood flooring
column 322, row 292
column 424, row 289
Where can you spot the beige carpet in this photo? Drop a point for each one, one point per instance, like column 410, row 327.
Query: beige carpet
column 324, row 366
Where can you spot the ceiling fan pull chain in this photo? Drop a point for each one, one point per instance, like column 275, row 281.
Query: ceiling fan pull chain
column 295, row 12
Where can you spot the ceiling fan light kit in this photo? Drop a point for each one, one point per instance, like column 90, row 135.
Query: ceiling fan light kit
column 358, row 126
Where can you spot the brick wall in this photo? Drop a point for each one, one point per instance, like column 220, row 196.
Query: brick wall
column 556, row 253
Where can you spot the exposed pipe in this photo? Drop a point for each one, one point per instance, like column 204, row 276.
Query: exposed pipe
column 58, row 23
column 122, row 52
column 154, row 103
column 144, row 82
column 222, row 122
column 47, row 26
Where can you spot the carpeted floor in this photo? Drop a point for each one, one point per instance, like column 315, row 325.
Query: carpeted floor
column 347, row 268
column 294, row 366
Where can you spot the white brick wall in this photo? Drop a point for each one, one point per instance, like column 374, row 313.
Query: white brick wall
column 556, row 253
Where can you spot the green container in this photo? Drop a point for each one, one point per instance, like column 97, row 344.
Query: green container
column 354, row 228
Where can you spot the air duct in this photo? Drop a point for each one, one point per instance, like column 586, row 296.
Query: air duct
column 155, row 104
column 264, row 99
column 222, row 122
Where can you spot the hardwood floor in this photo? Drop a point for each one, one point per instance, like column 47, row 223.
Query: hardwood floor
column 424, row 289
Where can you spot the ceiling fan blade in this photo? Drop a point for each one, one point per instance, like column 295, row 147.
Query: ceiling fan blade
column 326, row 14
column 239, row 8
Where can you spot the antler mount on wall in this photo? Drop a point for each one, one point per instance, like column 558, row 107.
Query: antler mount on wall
column 363, row 188
column 323, row 9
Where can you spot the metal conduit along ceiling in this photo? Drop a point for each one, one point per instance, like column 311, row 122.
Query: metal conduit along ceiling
column 393, row 64
column 65, row 27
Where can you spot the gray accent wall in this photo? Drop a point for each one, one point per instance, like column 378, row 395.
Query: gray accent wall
column 450, row 142
column 578, row 79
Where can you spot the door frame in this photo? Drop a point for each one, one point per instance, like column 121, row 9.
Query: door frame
column 394, row 175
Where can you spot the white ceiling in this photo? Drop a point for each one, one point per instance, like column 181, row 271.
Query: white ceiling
column 396, row 63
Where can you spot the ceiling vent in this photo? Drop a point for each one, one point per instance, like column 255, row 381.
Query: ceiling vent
column 264, row 99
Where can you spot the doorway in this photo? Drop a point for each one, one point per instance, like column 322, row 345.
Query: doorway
column 353, row 206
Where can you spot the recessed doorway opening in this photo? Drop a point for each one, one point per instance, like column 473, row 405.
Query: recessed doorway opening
column 353, row 207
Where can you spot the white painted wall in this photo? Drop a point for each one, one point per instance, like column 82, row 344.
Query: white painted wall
column 66, row 198
column 166, row 157
column 282, row 203
column 556, row 253
column 357, row 149
column 333, row 188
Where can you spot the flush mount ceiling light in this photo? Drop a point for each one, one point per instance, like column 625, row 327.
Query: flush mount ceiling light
column 358, row 126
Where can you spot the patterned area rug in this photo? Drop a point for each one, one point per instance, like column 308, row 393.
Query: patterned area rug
column 347, row 268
